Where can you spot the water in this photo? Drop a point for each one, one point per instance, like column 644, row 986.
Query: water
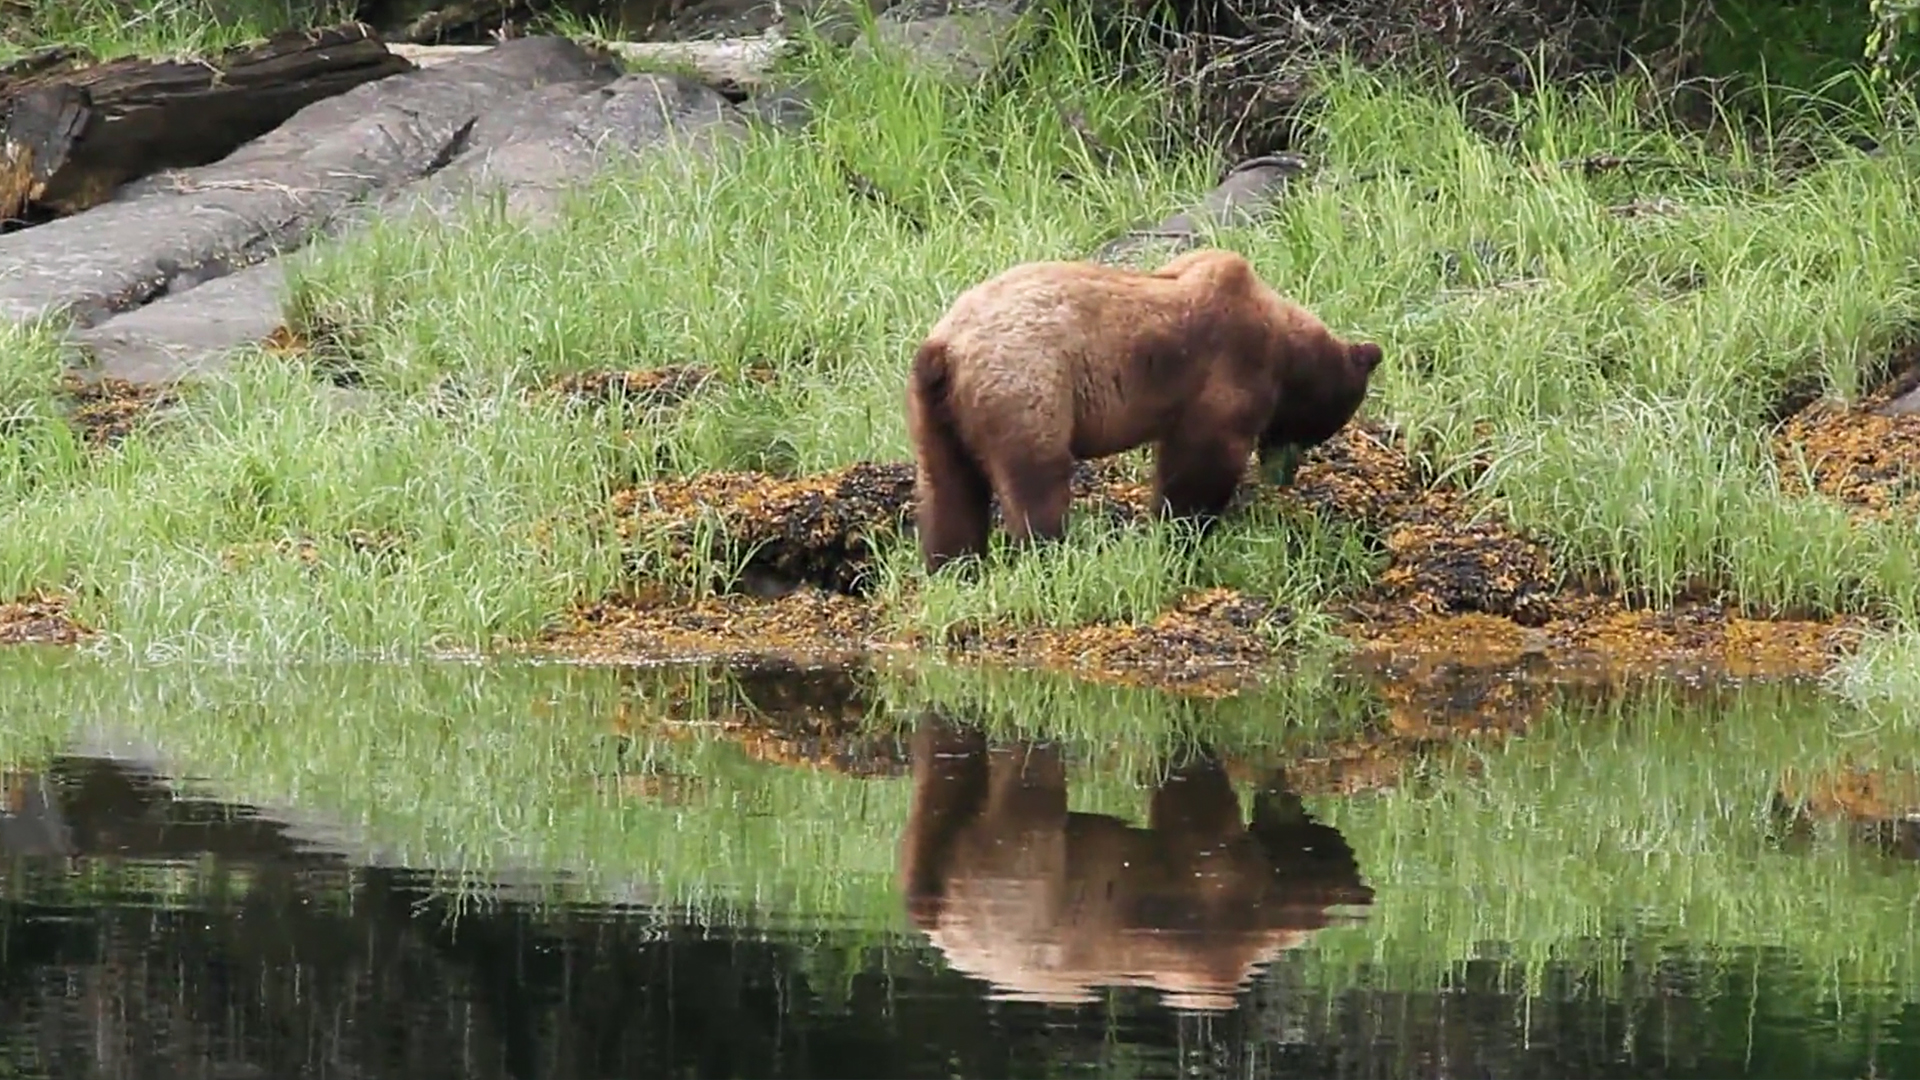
column 466, row 871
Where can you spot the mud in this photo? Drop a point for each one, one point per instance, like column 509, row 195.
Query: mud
column 1599, row 637
column 812, row 531
column 40, row 619
column 1211, row 643
column 808, row 626
column 106, row 411
column 820, row 531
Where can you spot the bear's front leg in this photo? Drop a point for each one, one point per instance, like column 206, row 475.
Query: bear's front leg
column 1197, row 471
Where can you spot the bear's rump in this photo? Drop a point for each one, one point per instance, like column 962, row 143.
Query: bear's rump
column 1022, row 406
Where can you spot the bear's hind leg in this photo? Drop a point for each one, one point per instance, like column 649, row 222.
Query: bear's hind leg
column 952, row 500
column 1196, row 473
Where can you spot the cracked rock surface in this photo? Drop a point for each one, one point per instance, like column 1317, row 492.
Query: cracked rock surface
column 170, row 232
column 180, row 268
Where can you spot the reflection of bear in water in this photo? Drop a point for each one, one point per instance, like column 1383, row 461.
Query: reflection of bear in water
column 1053, row 362
column 1047, row 904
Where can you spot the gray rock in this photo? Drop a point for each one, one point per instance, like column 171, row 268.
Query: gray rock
column 537, row 149
column 170, row 232
column 1905, row 405
column 530, row 149
column 963, row 40
column 788, row 107
column 1248, row 190
column 186, row 333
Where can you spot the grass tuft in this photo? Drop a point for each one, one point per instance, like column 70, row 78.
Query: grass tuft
column 161, row 28
column 1884, row 674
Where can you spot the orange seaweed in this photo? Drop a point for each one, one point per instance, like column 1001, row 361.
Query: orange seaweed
column 40, row 619
column 1856, row 456
column 107, row 410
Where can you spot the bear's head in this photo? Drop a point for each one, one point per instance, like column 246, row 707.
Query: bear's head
column 1321, row 389
column 1323, row 385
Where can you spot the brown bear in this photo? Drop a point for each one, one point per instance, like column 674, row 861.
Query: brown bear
column 1048, row 903
column 1053, row 362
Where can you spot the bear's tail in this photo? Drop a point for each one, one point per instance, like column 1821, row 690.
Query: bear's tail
column 932, row 377
column 932, row 398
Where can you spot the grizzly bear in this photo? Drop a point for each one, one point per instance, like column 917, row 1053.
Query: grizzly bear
column 1050, row 904
column 1053, row 362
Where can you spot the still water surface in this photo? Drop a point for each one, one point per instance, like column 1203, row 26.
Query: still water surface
column 560, row 872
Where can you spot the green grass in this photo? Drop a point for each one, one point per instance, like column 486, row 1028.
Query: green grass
column 160, row 28
column 37, row 447
column 1884, row 674
column 1615, row 372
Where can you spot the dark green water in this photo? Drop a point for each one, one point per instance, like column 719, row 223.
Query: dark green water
column 559, row 872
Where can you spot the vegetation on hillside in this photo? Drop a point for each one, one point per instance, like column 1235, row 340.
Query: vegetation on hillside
column 1593, row 314
column 176, row 28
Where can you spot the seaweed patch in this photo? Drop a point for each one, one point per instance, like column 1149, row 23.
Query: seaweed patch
column 1459, row 583
column 1861, row 457
column 105, row 411
column 40, row 619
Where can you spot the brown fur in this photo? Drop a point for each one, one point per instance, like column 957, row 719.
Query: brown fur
column 1047, row 903
column 1053, row 362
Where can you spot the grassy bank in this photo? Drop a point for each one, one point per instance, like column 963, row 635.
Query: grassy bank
column 1596, row 351
column 1646, row 810
column 115, row 28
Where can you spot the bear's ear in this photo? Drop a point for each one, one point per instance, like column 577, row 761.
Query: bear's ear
column 1367, row 355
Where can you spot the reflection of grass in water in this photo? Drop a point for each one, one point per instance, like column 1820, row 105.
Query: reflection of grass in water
column 1098, row 720
column 479, row 768
column 176, row 884
column 1609, row 814
column 1652, row 807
